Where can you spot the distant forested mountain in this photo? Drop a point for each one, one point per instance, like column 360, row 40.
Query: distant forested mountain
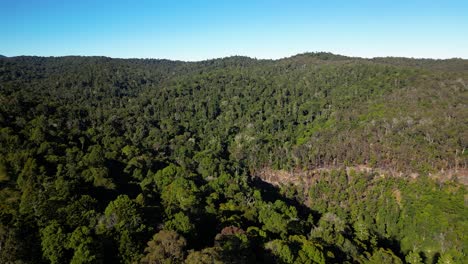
column 316, row 158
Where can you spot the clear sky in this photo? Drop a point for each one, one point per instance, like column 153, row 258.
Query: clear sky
column 197, row 30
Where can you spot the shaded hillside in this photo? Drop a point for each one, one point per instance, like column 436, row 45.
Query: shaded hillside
column 110, row 154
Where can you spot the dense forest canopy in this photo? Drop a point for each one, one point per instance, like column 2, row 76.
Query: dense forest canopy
column 316, row 158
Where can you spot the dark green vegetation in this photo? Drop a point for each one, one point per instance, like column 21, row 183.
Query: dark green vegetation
column 154, row 161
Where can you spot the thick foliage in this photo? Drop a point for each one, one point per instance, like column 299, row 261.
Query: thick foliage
column 122, row 161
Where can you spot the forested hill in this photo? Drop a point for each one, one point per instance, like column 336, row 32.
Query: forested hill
column 158, row 161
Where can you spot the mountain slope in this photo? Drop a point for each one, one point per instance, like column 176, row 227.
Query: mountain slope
column 105, row 153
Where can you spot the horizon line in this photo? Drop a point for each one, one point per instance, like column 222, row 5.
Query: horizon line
column 237, row 55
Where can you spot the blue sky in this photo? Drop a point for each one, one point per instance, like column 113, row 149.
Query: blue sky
column 197, row 30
